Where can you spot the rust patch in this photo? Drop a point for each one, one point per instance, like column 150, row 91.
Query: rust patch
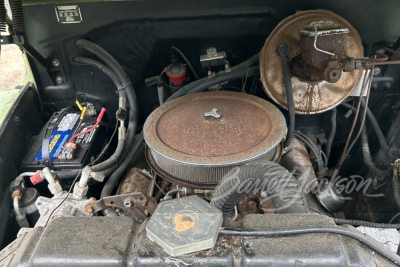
column 248, row 127
column 182, row 223
column 254, row 203
column 134, row 181
column 199, row 150
column 326, row 95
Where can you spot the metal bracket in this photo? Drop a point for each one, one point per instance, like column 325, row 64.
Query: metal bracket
column 137, row 202
column 55, row 70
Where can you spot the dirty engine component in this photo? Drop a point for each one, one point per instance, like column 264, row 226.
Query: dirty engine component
column 201, row 133
column 195, row 140
column 320, row 41
column 137, row 202
column 185, row 225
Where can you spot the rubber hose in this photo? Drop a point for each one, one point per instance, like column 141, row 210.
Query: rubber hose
column 121, row 143
column 82, row 60
column 374, row 245
column 248, row 72
column 222, row 76
column 381, row 138
column 196, row 76
column 315, row 149
column 103, row 68
column 3, row 16
column 17, row 16
column 377, row 129
column 131, row 96
column 68, row 174
column 331, row 134
column 280, row 185
column 367, row 224
column 367, row 155
column 248, row 63
column 283, row 51
column 115, row 177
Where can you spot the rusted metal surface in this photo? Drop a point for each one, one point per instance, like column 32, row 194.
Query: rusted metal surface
column 137, row 202
column 255, row 202
column 314, row 95
column 135, row 181
column 195, row 140
column 248, row 128
column 297, row 161
column 319, row 63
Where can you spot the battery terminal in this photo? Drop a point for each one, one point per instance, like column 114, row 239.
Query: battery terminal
column 68, row 151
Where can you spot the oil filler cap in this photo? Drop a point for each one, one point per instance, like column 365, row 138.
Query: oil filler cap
column 184, row 225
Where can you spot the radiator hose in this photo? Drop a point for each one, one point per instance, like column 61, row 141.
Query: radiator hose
column 280, row 185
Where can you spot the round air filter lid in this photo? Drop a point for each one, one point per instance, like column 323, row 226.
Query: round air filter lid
column 215, row 128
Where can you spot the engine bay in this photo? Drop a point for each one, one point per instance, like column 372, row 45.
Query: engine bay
column 209, row 135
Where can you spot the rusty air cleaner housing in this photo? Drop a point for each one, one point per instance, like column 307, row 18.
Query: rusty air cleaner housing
column 197, row 139
column 312, row 94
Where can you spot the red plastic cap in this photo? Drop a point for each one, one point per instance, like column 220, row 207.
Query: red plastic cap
column 37, row 178
column 176, row 77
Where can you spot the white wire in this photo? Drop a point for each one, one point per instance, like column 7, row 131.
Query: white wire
column 236, row 213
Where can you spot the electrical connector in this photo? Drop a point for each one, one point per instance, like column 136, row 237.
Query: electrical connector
column 68, row 151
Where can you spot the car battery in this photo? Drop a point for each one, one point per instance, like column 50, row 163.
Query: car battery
column 62, row 126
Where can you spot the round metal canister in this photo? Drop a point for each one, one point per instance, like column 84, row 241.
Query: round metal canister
column 196, row 139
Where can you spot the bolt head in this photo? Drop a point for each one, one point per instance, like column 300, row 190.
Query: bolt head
column 377, row 71
column 284, row 50
column 59, row 80
column 89, row 209
column 388, row 85
column 128, row 202
column 333, row 75
column 55, row 62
